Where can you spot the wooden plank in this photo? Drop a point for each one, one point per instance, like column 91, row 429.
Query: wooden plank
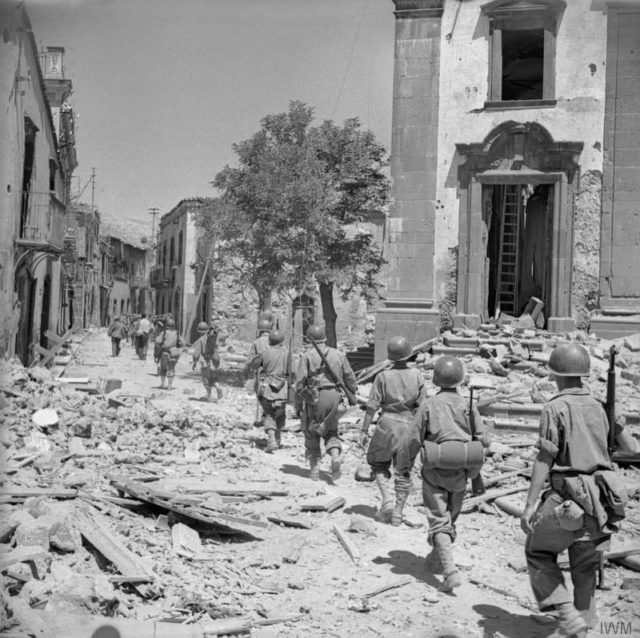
column 392, row 585
column 198, row 513
column 327, row 503
column 622, row 553
column 508, row 507
column 289, row 521
column 25, row 492
column 347, row 543
column 96, row 531
column 470, row 503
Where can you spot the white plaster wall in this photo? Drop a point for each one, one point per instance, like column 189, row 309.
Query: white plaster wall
column 464, row 74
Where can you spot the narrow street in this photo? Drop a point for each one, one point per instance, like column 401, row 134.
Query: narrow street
column 195, row 452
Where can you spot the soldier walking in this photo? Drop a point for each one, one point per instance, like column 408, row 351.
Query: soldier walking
column 257, row 348
column 273, row 389
column 449, row 458
column 585, row 501
column 396, row 393
column 205, row 350
column 117, row 331
column 321, row 398
column 143, row 326
column 169, row 344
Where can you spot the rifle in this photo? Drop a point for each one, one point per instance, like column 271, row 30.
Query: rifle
column 610, row 405
column 351, row 396
column 610, row 411
column 477, row 484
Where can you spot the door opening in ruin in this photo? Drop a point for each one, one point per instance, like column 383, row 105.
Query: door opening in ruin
column 44, row 314
column 519, row 220
column 26, row 293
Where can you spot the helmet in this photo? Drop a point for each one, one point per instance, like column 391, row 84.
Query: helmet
column 398, row 349
column 170, row 322
column 448, row 372
column 264, row 325
column 316, row 333
column 570, row 360
column 276, row 337
column 202, row 326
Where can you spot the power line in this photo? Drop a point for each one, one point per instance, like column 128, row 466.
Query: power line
column 353, row 46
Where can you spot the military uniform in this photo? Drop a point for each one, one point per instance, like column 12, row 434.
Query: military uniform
column 169, row 343
column 117, row 331
column 207, row 352
column 321, row 398
column 442, row 418
column 573, row 433
column 273, row 388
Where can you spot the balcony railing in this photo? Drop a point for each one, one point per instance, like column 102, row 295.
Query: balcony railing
column 41, row 219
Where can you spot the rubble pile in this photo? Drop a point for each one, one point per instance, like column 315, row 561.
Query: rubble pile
column 143, row 508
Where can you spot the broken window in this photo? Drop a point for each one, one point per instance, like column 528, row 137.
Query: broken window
column 522, row 43
column 522, row 64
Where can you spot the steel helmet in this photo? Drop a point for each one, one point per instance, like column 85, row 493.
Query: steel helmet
column 448, row 372
column 171, row 322
column 276, row 337
column 202, row 326
column 570, row 360
column 316, row 333
column 264, row 325
column 398, row 349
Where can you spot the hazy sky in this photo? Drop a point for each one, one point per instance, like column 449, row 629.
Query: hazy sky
column 163, row 88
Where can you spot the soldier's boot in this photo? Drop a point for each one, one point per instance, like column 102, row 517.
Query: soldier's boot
column 433, row 562
column 585, row 602
column 401, row 498
column 279, row 437
column 335, row 464
column 314, row 468
column 451, row 576
column 383, row 515
column 272, row 444
column 570, row 623
column 208, row 389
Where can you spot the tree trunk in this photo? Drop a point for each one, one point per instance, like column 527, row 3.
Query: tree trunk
column 264, row 299
column 328, row 312
column 187, row 331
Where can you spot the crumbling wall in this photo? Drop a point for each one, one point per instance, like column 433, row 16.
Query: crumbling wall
column 586, row 251
column 447, row 293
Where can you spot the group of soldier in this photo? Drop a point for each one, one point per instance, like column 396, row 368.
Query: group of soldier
column 582, row 497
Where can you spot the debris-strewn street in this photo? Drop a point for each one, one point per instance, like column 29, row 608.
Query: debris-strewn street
column 134, row 505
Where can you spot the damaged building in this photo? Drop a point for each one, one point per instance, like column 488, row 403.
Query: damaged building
column 515, row 166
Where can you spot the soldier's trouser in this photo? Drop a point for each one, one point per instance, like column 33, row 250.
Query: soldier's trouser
column 208, row 375
column 388, row 446
column 325, row 412
column 443, row 492
column 274, row 414
column 115, row 346
column 546, row 541
column 167, row 365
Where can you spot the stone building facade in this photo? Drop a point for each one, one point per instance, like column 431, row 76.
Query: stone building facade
column 512, row 169
column 37, row 160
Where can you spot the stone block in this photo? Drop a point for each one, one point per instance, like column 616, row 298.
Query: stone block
column 186, row 538
column 83, row 427
column 466, row 321
column 32, row 533
column 633, row 342
column 559, row 325
column 63, row 537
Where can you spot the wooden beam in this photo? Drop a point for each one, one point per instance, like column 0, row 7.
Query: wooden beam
column 347, row 543
column 470, row 503
column 327, row 503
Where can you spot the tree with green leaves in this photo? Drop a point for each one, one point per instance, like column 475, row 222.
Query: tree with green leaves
column 299, row 194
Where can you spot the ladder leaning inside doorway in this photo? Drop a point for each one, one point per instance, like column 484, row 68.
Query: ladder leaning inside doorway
column 508, row 260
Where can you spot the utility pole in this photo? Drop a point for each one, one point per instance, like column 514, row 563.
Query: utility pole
column 153, row 211
column 84, row 263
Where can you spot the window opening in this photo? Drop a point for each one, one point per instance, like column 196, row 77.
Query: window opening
column 522, row 64
column 180, row 238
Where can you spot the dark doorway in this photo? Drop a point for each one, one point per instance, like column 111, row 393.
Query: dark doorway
column 522, row 64
column 26, row 293
column 30, row 130
column 518, row 219
column 44, row 314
